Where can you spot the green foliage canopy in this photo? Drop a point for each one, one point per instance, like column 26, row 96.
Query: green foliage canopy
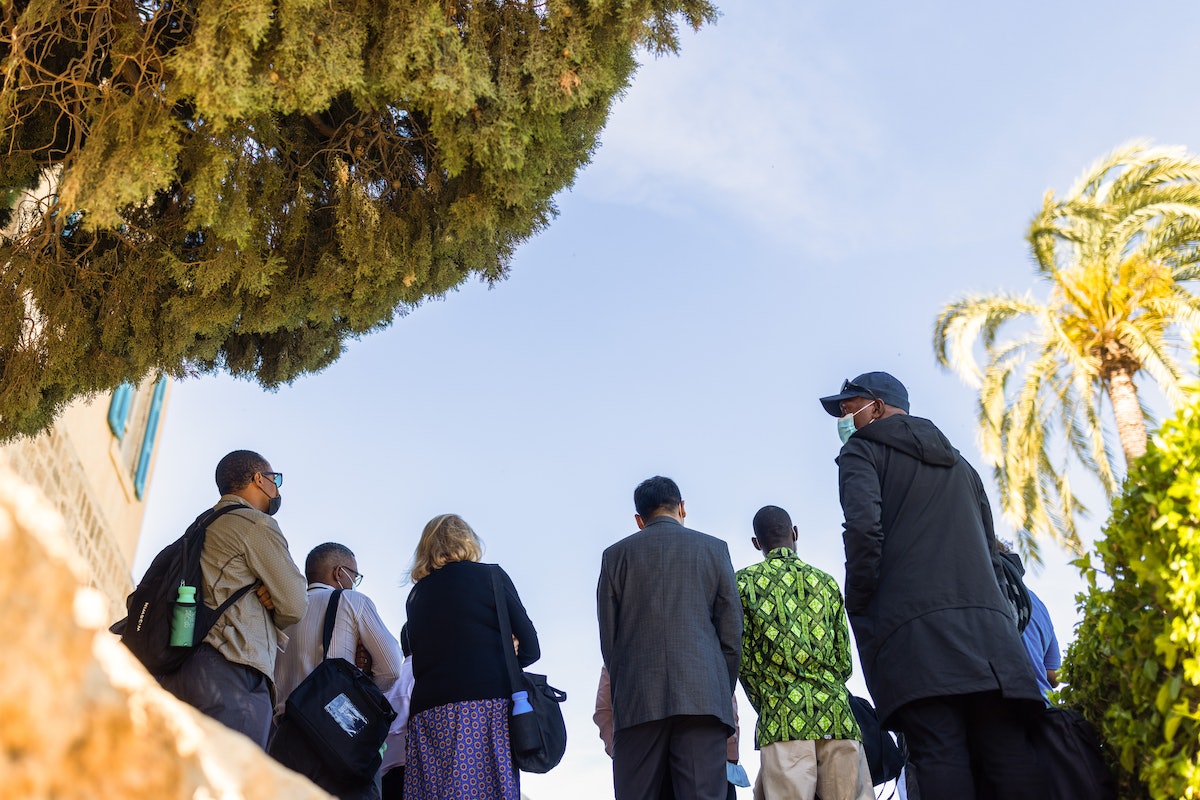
column 1134, row 667
column 246, row 184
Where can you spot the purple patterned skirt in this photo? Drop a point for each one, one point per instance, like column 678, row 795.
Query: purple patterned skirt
column 460, row 751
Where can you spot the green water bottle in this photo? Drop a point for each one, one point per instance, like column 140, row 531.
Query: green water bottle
column 183, row 620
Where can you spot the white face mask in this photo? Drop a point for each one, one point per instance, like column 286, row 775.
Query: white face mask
column 846, row 426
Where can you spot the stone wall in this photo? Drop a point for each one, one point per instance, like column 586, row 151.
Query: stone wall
column 79, row 717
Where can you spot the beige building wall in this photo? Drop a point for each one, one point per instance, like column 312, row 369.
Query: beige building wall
column 90, row 476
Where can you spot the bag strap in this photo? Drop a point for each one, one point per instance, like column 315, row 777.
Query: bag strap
column 330, row 616
column 199, row 532
column 506, row 636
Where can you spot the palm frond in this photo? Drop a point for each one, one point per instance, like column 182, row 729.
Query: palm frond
column 1090, row 182
column 1153, row 166
column 1143, row 219
column 974, row 318
column 1170, row 242
column 1100, row 458
column 1153, row 353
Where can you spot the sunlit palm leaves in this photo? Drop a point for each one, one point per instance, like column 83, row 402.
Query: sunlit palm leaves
column 1114, row 251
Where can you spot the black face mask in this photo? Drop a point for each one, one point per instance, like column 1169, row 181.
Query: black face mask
column 273, row 504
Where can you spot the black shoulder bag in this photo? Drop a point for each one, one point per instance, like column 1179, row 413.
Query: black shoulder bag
column 538, row 737
column 340, row 715
column 885, row 756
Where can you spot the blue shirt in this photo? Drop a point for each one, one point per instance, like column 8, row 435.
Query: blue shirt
column 1041, row 643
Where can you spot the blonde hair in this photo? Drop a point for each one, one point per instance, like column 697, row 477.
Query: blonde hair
column 446, row 538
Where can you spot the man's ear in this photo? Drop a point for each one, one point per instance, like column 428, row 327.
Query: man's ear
column 682, row 511
column 641, row 523
column 795, row 533
column 754, row 541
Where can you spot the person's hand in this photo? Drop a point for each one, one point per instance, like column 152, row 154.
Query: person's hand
column 516, row 645
column 264, row 597
column 362, row 659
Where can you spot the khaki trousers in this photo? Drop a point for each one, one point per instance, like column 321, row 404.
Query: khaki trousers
column 834, row 769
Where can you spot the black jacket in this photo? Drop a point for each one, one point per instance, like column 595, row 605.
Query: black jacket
column 454, row 631
column 922, row 591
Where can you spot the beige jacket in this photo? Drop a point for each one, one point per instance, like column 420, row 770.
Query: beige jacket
column 244, row 547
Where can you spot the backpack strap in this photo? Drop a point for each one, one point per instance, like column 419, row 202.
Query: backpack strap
column 199, row 532
column 330, row 616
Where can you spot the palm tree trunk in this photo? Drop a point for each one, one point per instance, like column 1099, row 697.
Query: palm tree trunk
column 1131, row 425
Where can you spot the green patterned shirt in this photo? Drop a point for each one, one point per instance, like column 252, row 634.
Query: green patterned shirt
column 795, row 651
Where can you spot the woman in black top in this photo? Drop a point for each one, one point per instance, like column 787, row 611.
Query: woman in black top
column 458, row 725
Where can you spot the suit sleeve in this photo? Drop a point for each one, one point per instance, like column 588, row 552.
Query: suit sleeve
column 529, row 649
column 727, row 616
column 862, row 503
column 606, row 610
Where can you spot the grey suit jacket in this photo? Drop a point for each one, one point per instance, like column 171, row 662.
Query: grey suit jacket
column 670, row 625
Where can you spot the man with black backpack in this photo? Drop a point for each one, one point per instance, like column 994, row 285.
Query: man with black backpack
column 229, row 675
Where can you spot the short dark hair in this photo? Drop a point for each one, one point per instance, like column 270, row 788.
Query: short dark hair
column 654, row 494
column 322, row 558
column 772, row 527
column 237, row 469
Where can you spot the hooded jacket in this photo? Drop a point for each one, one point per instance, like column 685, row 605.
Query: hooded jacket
column 922, row 589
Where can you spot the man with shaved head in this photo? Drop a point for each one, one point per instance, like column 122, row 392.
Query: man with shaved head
column 795, row 663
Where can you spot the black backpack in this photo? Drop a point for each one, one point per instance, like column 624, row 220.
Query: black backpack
column 885, row 755
column 1013, row 587
column 146, row 631
column 1070, row 749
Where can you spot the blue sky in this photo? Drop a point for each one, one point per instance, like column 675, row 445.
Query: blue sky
column 788, row 203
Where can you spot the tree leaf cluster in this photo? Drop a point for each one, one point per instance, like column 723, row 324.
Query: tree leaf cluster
column 244, row 185
column 1134, row 667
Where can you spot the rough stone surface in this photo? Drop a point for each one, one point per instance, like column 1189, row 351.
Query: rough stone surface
column 79, row 717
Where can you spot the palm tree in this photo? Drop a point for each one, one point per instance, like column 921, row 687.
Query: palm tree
column 1115, row 251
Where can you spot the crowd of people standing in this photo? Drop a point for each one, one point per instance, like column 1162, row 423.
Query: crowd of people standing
column 678, row 628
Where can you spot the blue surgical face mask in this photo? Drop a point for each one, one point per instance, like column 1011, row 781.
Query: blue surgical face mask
column 846, row 426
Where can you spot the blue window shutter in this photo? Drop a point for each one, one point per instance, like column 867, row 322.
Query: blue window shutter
column 143, row 466
column 118, row 409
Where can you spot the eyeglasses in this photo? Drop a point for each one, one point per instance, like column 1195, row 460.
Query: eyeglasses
column 355, row 577
column 276, row 477
column 850, row 386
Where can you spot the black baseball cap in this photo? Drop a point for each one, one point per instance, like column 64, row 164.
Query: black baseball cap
column 871, row 385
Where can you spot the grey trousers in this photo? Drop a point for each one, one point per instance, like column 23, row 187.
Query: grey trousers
column 233, row 694
column 686, row 752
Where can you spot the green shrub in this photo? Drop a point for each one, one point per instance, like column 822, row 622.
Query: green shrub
column 1134, row 667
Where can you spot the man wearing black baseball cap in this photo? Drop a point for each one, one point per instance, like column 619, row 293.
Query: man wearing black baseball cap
column 937, row 640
